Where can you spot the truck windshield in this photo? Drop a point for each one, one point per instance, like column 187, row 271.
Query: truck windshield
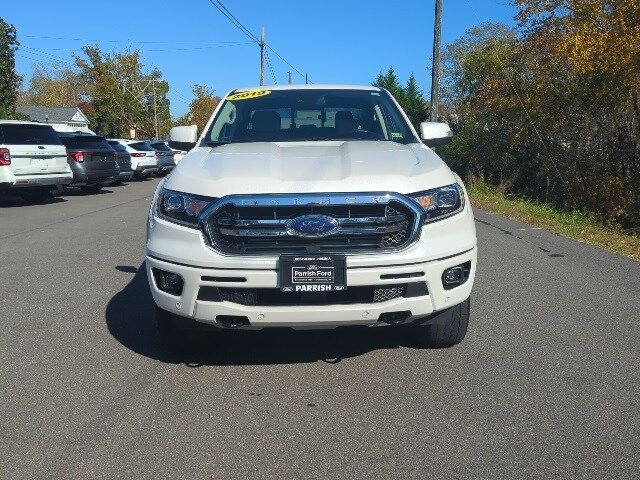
column 308, row 115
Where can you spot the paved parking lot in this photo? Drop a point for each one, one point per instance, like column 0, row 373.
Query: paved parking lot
column 546, row 384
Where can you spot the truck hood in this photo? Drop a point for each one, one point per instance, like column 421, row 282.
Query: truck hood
column 309, row 167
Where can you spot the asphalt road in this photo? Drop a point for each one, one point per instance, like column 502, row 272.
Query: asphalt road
column 545, row 385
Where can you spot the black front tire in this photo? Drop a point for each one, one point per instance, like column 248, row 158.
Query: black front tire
column 450, row 329
column 175, row 335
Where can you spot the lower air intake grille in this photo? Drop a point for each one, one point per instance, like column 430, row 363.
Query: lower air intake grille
column 275, row 297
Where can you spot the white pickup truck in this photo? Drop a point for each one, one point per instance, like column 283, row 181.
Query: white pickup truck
column 311, row 206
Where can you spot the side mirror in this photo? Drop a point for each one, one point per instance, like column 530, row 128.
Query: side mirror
column 435, row 133
column 183, row 138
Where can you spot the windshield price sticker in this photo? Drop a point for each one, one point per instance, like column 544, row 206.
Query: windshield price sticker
column 248, row 94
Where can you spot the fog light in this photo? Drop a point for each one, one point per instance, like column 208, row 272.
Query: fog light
column 452, row 275
column 168, row 282
column 455, row 276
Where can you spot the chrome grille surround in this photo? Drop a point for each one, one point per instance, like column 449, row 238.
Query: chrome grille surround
column 374, row 222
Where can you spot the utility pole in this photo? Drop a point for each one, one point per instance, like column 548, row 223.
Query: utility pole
column 290, row 81
column 262, row 52
column 306, row 78
column 435, row 66
column 155, row 110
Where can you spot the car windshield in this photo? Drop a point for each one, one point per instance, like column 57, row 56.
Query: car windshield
column 308, row 115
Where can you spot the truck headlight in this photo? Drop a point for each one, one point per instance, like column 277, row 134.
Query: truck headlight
column 181, row 208
column 440, row 202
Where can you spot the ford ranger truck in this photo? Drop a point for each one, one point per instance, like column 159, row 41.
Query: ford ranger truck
column 311, row 207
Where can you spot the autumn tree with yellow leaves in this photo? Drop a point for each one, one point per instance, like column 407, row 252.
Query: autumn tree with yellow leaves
column 551, row 110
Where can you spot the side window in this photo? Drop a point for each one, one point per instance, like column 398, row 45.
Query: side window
column 226, row 123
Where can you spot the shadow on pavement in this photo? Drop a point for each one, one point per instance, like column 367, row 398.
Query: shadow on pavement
column 77, row 192
column 130, row 319
column 10, row 200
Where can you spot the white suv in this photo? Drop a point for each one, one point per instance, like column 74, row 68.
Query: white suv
column 33, row 160
column 311, row 207
column 144, row 161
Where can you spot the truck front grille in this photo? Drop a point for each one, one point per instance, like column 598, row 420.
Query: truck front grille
column 260, row 225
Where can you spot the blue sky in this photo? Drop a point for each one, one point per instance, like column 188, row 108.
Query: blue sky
column 335, row 41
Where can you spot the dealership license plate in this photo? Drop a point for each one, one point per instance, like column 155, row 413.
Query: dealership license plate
column 313, row 274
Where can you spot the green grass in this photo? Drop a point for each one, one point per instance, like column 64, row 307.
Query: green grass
column 575, row 225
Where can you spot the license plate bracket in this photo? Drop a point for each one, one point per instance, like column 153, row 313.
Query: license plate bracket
column 312, row 273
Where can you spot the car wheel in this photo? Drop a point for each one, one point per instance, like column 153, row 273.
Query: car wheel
column 117, row 183
column 91, row 188
column 37, row 196
column 450, row 329
column 175, row 335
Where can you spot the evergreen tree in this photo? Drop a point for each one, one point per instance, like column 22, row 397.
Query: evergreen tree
column 391, row 82
column 414, row 104
column 410, row 97
column 9, row 79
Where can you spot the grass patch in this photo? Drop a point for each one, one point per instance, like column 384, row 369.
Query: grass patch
column 575, row 225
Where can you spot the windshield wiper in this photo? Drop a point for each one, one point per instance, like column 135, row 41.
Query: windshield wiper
column 211, row 143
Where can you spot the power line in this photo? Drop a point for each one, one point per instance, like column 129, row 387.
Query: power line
column 178, row 49
column 78, row 39
column 273, row 75
column 285, row 61
column 222, row 9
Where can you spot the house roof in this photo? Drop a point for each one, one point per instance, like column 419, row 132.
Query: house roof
column 53, row 114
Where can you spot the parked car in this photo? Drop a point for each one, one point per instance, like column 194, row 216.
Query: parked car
column 307, row 207
column 124, row 162
column 92, row 161
column 178, row 155
column 33, row 160
column 165, row 155
column 144, row 161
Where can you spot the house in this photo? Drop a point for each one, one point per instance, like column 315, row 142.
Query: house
column 62, row 119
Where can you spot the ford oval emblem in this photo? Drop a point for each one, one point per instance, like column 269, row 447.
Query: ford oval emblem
column 312, row 226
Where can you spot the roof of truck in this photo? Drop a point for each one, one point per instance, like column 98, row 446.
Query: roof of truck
column 313, row 86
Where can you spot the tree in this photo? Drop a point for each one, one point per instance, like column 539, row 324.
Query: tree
column 410, row 97
column 391, row 82
column 414, row 104
column 122, row 97
column 551, row 112
column 9, row 79
column 200, row 108
column 62, row 87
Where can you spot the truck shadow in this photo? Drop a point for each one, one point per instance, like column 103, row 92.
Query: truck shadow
column 130, row 319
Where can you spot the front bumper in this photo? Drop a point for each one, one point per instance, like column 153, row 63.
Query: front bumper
column 443, row 244
column 311, row 316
